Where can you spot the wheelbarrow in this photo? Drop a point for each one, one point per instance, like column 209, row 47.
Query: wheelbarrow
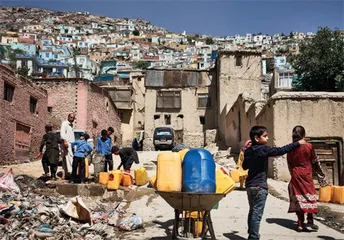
column 200, row 202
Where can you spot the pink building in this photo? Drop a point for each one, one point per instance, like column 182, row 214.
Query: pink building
column 92, row 105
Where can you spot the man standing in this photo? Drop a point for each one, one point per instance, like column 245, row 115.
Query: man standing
column 67, row 135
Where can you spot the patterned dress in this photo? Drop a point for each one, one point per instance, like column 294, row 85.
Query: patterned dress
column 302, row 162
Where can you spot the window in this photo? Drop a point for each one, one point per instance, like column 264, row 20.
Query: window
column 50, row 109
column 238, row 61
column 202, row 120
column 167, row 119
column 204, row 100
column 8, row 92
column 168, row 99
column 33, row 105
column 285, row 79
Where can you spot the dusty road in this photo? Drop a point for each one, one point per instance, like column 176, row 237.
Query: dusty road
column 229, row 220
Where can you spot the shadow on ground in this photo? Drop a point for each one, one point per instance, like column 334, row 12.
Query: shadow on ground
column 287, row 223
column 327, row 238
column 233, row 236
column 165, row 226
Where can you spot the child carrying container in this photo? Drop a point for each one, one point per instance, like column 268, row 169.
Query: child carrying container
column 128, row 157
column 81, row 149
column 243, row 173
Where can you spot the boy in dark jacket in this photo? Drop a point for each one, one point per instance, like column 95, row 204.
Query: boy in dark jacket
column 81, row 149
column 128, row 157
column 51, row 154
column 256, row 160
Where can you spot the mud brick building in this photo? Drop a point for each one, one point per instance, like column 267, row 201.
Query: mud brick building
column 23, row 115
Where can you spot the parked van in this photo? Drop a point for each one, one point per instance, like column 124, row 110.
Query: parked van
column 164, row 138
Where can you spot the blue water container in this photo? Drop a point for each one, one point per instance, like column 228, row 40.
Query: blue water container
column 198, row 172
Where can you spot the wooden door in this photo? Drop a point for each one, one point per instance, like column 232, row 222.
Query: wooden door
column 329, row 157
column 22, row 143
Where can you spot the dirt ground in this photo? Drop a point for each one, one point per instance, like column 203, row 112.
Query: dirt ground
column 32, row 169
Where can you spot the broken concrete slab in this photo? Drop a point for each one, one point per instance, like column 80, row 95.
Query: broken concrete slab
column 83, row 190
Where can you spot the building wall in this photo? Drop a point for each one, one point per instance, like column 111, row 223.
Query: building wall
column 234, row 80
column 138, row 97
column 18, row 112
column 62, row 99
column 185, row 120
column 320, row 113
column 127, row 122
column 93, row 108
column 101, row 112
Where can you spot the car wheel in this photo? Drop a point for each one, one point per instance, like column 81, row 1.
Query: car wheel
column 156, row 148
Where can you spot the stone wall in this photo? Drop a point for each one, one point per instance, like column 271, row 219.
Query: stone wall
column 320, row 113
column 234, row 79
column 18, row 112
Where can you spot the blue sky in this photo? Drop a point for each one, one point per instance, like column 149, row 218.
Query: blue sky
column 217, row 18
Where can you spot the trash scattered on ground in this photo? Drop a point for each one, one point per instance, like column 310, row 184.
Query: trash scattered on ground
column 131, row 223
column 27, row 213
column 7, row 182
column 319, row 218
column 77, row 209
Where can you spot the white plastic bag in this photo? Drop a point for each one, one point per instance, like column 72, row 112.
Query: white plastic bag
column 131, row 223
column 7, row 182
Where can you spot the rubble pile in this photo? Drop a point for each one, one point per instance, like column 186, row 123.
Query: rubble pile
column 30, row 215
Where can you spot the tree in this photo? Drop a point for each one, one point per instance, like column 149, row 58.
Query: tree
column 140, row 65
column 23, row 71
column 282, row 34
column 291, row 34
column 209, row 41
column 319, row 65
column 136, row 32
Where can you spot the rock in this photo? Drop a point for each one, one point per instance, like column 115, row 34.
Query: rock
column 210, row 137
column 212, row 148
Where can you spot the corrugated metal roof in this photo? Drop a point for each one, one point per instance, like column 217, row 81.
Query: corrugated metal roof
column 177, row 78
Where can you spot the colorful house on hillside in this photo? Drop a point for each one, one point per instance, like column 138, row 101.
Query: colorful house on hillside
column 26, row 47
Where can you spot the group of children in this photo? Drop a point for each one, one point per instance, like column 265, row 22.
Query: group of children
column 301, row 158
column 81, row 149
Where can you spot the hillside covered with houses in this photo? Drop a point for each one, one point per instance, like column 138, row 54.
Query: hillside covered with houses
column 43, row 43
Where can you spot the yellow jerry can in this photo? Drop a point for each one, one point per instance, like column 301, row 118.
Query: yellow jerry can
column 87, row 171
column 235, row 175
column 141, row 176
column 127, row 180
column 338, row 194
column 325, row 194
column 115, row 178
column 169, row 172
column 152, row 181
column 224, row 183
column 182, row 153
column 103, row 178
